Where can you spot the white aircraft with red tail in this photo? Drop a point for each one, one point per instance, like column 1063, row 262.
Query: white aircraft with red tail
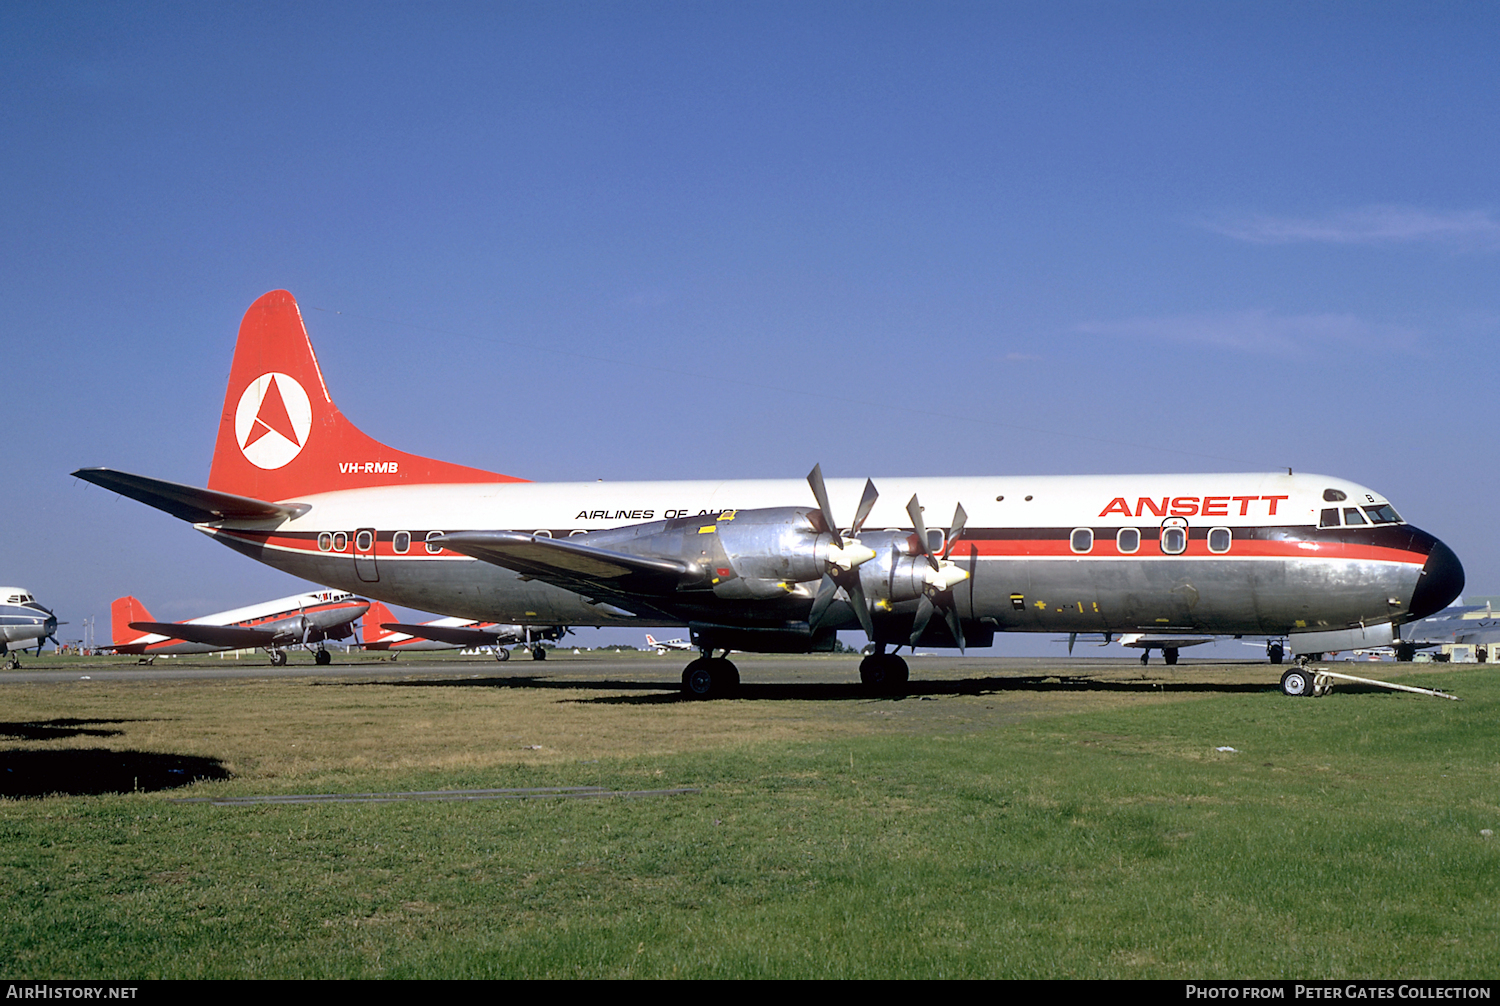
column 383, row 632
column 301, row 620
column 750, row 565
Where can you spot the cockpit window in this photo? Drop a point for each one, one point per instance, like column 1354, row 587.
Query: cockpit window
column 1383, row 514
column 1352, row 516
column 1334, row 496
column 1329, row 518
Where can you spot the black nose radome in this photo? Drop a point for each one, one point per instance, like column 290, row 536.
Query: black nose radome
column 1442, row 581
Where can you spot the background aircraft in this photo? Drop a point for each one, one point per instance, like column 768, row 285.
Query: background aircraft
column 663, row 645
column 23, row 620
column 1477, row 625
column 299, row 620
column 383, row 632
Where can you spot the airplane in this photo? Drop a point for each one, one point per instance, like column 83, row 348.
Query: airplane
column 663, row 645
column 299, row 620
column 751, row 566
column 22, row 620
column 1476, row 625
column 1168, row 645
column 453, row 634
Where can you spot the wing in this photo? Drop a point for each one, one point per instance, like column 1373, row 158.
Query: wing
column 228, row 636
column 189, row 503
column 458, row 635
column 583, row 569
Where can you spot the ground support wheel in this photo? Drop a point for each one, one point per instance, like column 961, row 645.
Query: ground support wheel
column 322, row 658
column 278, row 658
column 538, row 652
column 883, row 672
column 1276, row 652
column 1297, row 682
column 1169, row 656
column 710, row 678
column 502, row 654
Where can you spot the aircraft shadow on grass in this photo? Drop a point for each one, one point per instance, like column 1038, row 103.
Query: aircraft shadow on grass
column 665, row 692
column 96, row 771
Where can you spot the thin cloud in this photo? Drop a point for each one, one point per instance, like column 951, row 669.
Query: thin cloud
column 1369, row 225
column 1256, row 331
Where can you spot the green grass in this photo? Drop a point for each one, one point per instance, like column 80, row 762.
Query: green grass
column 1343, row 839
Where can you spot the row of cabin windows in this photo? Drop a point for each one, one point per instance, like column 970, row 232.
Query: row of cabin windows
column 364, row 542
column 1173, row 540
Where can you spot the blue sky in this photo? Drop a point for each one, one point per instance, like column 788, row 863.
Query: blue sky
column 579, row 241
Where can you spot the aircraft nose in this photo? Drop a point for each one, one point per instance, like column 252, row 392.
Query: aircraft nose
column 1442, row 581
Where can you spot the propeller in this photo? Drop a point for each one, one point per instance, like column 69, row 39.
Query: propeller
column 943, row 574
column 844, row 556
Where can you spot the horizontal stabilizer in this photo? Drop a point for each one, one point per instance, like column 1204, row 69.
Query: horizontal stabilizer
column 571, row 565
column 229, row 636
column 189, row 503
column 458, row 635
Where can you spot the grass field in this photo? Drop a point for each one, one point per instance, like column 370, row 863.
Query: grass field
column 1014, row 819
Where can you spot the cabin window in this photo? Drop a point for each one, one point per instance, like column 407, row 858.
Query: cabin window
column 1330, row 517
column 325, row 541
column 401, row 542
column 364, row 541
column 576, row 532
column 1174, row 540
column 1334, row 496
column 1082, row 540
column 340, row 541
column 431, row 548
column 935, row 541
column 543, row 533
column 1383, row 514
column 1352, row 516
column 1128, row 540
column 1219, row 539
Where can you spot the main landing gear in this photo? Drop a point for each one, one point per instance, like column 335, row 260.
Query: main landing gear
column 538, row 652
column 322, row 657
column 883, row 672
column 502, row 654
column 710, row 677
column 278, row 658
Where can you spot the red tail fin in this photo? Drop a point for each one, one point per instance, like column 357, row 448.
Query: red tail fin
column 281, row 436
column 123, row 611
column 377, row 614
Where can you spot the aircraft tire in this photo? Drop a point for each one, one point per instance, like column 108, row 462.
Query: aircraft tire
column 1169, row 656
column 710, row 678
column 883, row 672
column 1276, row 653
column 278, row 658
column 322, row 658
column 502, row 654
column 538, row 652
column 1297, row 683
column 1405, row 652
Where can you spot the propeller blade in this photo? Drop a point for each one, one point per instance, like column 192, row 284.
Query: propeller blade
column 960, row 518
column 914, row 511
column 1072, row 638
column 861, row 608
column 954, row 625
column 924, row 615
column 826, row 589
column 820, row 493
column 866, row 504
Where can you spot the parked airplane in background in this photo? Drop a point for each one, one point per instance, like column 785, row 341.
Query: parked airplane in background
column 383, row 632
column 1476, row 625
column 663, row 645
column 23, row 621
column 749, row 565
column 300, row 620
column 1168, row 645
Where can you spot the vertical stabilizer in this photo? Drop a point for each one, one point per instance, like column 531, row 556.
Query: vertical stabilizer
column 123, row 611
column 281, row 436
column 378, row 614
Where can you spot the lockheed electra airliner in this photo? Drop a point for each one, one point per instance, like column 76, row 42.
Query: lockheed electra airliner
column 780, row 565
column 301, row 620
column 23, row 622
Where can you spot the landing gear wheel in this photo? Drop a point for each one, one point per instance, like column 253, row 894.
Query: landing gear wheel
column 502, row 654
column 1146, row 657
column 883, row 672
column 1170, row 656
column 278, row 658
column 1297, row 682
column 710, row 678
column 322, row 657
column 14, row 663
column 538, row 652
column 1405, row 652
column 1276, row 653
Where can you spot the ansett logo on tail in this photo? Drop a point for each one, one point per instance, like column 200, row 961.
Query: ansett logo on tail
column 273, row 420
